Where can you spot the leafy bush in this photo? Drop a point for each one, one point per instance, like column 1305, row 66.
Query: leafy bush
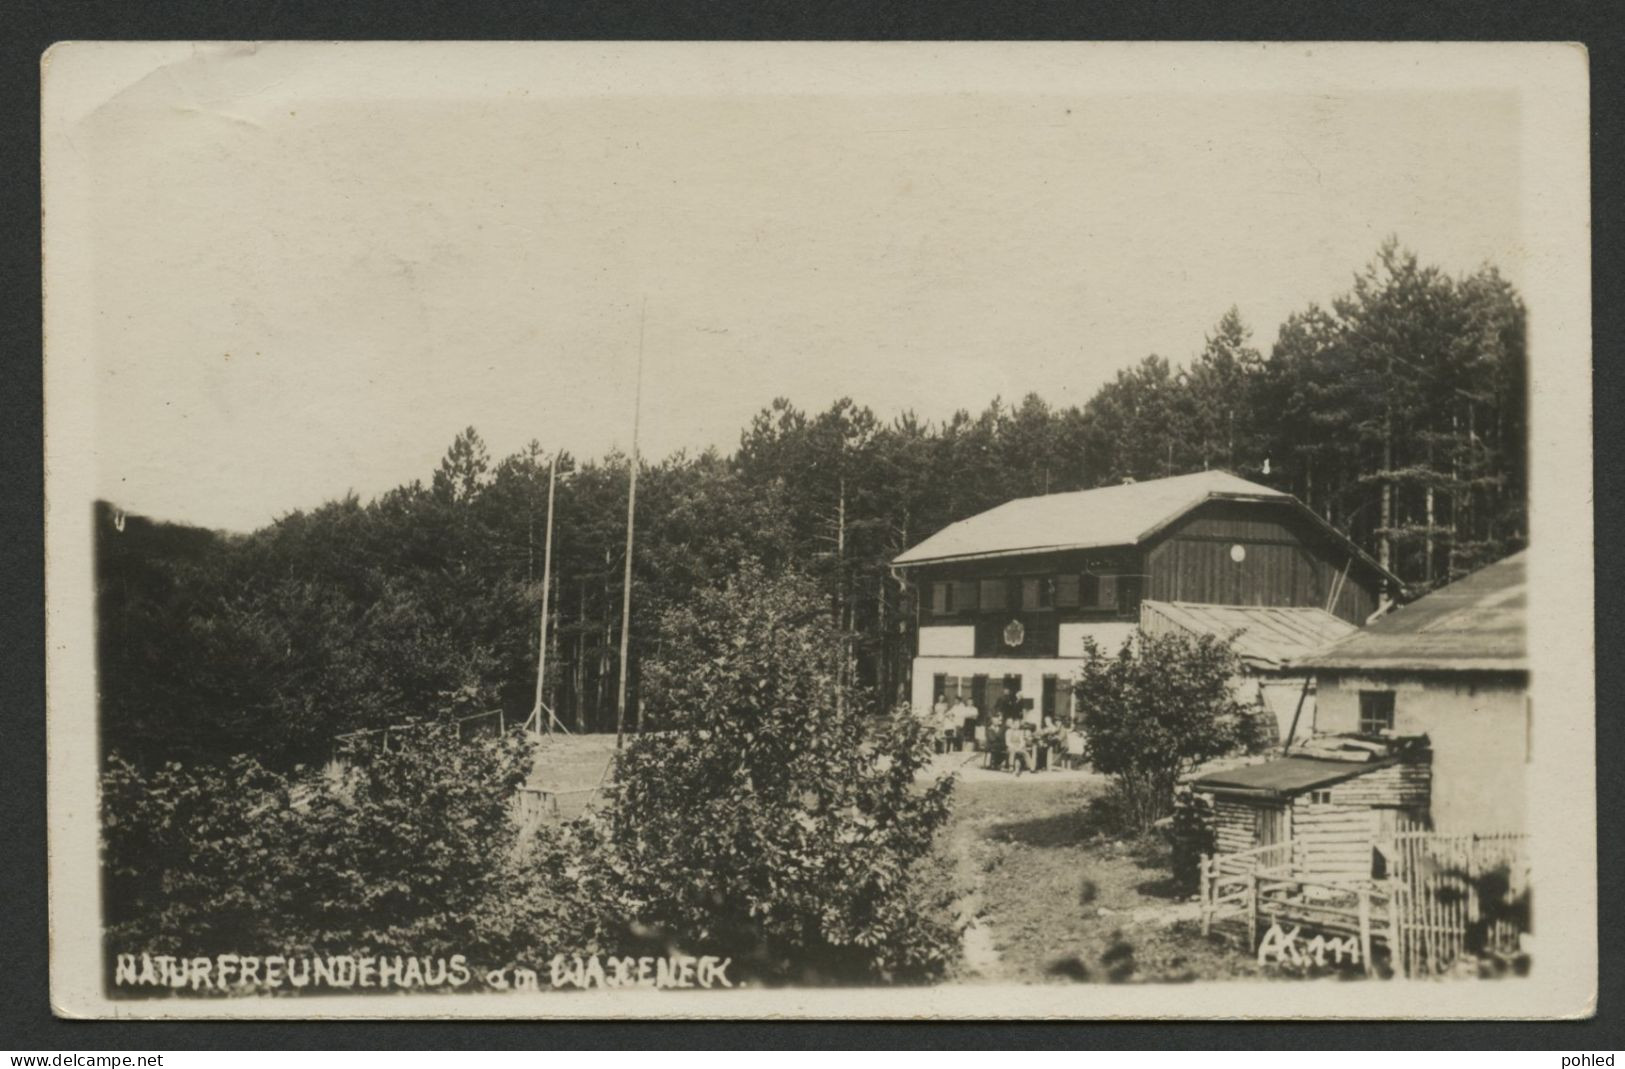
column 769, row 817
column 412, row 850
column 1153, row 712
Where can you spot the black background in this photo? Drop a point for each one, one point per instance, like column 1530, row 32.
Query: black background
column 26, row 29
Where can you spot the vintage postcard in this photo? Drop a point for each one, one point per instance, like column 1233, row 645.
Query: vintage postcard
column 819, row 530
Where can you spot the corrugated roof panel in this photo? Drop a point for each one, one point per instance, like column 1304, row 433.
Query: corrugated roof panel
column 1264, row 635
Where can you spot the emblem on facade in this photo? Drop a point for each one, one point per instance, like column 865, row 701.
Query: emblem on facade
column 1014, row 633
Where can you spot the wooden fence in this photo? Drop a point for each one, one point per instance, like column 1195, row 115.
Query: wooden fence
column 476, row 725
column 1455, row 894
column 1257, row 889
column 534, row 806
column 1440, row 898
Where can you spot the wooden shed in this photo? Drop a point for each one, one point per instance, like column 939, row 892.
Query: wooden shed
column 1330, row 803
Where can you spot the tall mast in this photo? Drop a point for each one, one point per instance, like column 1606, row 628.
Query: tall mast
column 631, row 512
column 547, row 578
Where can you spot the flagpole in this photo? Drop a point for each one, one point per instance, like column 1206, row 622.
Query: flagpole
column 547, row 578
column 631, row 512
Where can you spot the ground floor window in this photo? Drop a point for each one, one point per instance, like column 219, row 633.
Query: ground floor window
column 1376, row 711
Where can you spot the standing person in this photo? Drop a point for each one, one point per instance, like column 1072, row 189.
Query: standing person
column 1007, row 706
column 957, row 718
column 938, row 723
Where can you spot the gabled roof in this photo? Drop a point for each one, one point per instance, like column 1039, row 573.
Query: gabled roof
column 1123, row 515
column 1265, row 636
column 1082, row 519
column 1474, row 624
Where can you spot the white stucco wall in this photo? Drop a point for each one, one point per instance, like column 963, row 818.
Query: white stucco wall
column 947, row 641
column 1280, row 695
column 1109, row 635
column 1479, row 733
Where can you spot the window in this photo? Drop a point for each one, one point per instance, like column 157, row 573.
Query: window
column 1037, row 593
column 942, row 598
column 939, row 686
column 1099, row 591
column 1007, row 691
column 1320, row 797
column 1376, row 711
column 1066, row 592
column 965, row 595
column 993, row 594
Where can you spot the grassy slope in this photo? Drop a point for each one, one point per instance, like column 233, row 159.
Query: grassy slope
column 1063, row 901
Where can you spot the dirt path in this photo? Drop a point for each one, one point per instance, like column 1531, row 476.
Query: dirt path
column 1049, row 896
column 982, row 960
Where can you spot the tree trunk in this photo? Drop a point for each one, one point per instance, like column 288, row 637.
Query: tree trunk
column 841, row 622
column 1386, row 538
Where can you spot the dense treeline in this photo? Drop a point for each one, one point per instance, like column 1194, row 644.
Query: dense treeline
column 1397, row 413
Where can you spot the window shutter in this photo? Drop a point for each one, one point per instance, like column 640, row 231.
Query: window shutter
column 994, row 594
column 1108, row 592
column 1029, row 594
column 941, row 598
column 965, row 595
column 1066, row 592
column 1091, row 591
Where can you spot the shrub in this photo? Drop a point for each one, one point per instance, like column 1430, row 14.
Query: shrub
column 1153, row 712
column 411, row 851
column 770, row 818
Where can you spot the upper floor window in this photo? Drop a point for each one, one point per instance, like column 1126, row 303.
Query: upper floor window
column 1037, row 592
column 1376, row 711
column 951, row 597
column 1032, row 593
column 1099, row 591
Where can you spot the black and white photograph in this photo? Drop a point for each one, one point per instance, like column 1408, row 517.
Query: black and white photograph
column 819, row 530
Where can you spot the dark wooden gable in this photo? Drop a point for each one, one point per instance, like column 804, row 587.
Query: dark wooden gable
column 1285, row 558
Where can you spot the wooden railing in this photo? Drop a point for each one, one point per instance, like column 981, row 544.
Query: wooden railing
column 1425, row 913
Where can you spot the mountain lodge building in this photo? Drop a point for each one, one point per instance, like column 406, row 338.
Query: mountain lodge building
column 1007, row 597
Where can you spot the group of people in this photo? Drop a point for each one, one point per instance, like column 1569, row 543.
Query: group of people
column 1006, row 736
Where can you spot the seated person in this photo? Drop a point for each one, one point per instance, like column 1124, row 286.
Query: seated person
column 1021, row 745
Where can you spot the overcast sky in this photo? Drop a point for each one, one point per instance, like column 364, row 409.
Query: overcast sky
column 304, row 288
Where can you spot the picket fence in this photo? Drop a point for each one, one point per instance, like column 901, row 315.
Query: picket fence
column 1441, row 897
